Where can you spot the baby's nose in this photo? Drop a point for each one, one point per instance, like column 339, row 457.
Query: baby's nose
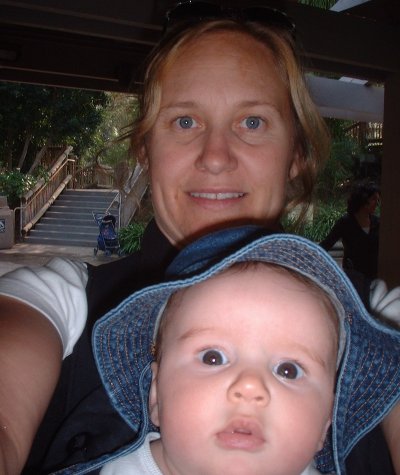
column 249, row 387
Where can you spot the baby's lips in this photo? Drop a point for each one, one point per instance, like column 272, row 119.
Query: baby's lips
column 241, row 434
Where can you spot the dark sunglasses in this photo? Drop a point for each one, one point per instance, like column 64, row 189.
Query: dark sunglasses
column 195, row 11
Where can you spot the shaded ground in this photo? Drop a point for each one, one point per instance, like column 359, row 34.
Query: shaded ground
column 36, row 254
column 22, row 254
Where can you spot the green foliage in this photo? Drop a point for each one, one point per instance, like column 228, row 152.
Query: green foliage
column 14, row 184
column 340, row 168
column 34, row 116
column 324, row 217
column 130, row 237
column 323, row 221
column 107, row 148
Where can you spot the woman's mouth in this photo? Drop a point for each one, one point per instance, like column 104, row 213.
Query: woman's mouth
column 217, row 196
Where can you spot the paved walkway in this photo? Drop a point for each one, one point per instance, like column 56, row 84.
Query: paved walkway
column 22, row 254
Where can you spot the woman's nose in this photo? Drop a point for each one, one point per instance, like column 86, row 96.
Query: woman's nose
column 249, row 387
column 216, row 155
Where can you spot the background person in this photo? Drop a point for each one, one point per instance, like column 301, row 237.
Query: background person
column 359, row 231
column 230, row 135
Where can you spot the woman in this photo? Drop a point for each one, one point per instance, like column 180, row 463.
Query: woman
column 359, row 231
column 229, row 135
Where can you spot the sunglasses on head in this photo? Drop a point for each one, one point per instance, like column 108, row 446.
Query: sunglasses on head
column 195, row 11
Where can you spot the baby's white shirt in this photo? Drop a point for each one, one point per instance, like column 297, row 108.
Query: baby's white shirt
column 141, row 462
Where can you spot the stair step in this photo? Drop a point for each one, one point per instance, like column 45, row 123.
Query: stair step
column 87, row 192
column 60, row 242
column 98, row 202
column 70, row 222
column 62, row 231
column 77, row 208
column 62, row 227
column 63, row 220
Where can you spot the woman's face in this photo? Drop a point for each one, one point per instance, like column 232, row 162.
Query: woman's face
column 372, row 203
column 222, row 148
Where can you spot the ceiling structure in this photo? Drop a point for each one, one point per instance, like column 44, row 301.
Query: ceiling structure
column 100, row 44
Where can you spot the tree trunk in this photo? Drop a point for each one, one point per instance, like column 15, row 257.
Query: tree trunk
column 24, row 150
column 38, row 158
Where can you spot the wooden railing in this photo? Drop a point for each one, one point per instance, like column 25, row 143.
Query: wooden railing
column 366, row 133
column 64, row 174
column 36, row 202
column 94, row 175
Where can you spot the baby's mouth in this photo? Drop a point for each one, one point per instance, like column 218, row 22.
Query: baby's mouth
column 244, row 435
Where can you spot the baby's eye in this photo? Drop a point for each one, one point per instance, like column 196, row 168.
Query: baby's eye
column 186, row 122
column 289, row 370
column 251, row 122
column 213, row 357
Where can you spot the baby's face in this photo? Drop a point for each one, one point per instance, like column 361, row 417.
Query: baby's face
column 246, row 379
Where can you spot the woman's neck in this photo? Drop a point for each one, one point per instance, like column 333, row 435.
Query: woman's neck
column 363, row 218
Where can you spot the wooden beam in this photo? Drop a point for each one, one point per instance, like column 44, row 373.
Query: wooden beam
column 344, row 100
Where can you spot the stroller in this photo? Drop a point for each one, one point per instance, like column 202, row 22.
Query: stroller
column 107, row 240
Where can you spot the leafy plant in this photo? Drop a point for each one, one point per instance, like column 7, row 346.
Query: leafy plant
column 324, row 217
column 32, row 117
column 130, row 237
column 323, row 221
column 14, row 184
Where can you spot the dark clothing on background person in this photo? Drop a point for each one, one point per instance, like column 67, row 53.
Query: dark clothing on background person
column 81, row 423
column 360, row 247
column 370, row 456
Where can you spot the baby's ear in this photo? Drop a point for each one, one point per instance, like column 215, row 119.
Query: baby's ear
column 153, row 396
column 324, row 433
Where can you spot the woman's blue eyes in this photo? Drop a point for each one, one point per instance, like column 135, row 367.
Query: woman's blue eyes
column 288, row 370
column 213, row 357
column 252, row 122
column 186, row 122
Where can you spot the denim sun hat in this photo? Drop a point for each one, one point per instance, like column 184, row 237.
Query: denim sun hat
column 368, row 378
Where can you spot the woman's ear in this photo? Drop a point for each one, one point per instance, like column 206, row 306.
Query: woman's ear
column 295, row 166
column 142, row 157
column 153, row 396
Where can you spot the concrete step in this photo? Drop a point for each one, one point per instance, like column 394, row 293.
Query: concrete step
column 70, row 222
column 76, row 208
column 88, row 192
column 62, row 228
column 60, row 219
column 64, row 233
column 54, row 240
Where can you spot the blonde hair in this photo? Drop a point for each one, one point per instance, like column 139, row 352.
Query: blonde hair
column 311, row 134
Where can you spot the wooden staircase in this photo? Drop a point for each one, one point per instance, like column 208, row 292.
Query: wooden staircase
column 69, row 220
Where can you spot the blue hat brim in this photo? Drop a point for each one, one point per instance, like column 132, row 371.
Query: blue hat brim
column 368, row 384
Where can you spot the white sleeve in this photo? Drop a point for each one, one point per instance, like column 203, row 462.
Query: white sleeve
column 385, row 303
column 57, row 290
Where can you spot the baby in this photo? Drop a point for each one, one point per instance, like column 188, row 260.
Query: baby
column 241, row 367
